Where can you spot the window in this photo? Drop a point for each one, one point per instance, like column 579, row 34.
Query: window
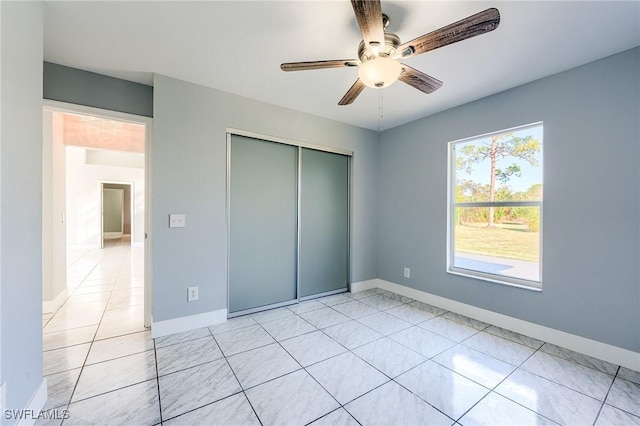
column 495, row 207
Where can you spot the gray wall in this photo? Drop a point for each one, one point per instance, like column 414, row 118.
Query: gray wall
column 21, row 200
column 591, row 282
column 189, row 176
column 95, row 90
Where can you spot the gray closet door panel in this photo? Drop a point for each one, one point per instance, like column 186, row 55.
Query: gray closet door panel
column 263, row 223
column 324, row 222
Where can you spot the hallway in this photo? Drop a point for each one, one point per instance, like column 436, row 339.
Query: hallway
column 101, row 320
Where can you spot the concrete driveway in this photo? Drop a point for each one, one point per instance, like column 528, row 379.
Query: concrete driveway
column 499, row 266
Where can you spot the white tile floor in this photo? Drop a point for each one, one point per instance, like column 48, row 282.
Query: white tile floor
column 370, row 358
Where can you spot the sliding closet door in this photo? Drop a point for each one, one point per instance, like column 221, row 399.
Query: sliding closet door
column 324, row 222
column 263, row 223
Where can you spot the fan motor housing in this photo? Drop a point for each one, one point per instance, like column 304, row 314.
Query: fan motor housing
column 391, row 43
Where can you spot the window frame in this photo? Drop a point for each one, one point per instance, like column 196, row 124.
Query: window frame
column 452, row 205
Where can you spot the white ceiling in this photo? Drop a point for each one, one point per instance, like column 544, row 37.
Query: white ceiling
column 237, row 47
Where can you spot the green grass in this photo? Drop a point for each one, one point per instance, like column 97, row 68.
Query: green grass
column 507, row 241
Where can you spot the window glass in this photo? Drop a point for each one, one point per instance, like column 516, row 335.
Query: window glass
column 495, row 213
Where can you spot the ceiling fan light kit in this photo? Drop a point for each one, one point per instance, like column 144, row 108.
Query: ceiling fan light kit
column 379, row 51
column 379, row 72
column 378, row 68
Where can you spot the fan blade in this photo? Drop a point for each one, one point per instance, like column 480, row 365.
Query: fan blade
column 352, row 93
column 369, row 16
column 317, row 65
column 474, row 25
column 421, row 81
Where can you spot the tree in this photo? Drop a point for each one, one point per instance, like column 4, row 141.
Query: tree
column 501, row 147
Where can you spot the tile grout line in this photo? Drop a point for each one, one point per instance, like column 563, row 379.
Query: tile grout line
column 84, row 364
column 460, row 343
column 424, row 362
column 193, row 366
column 562, row 384
column 331, row 412
column 584, row 365
column 604, row 400
column 365, row 325
column 305, row 370
column 236, row 377
column 484, row 329
column 390, row 379
column 493, row 390
column 68, row 404
column 331, row 357
column 340, row 406
column 69, row 296
column 155, row 355
column 490, row 390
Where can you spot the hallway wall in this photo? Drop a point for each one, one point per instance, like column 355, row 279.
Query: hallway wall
column 83, row 198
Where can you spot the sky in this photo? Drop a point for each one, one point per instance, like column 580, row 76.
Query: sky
column 529, row 175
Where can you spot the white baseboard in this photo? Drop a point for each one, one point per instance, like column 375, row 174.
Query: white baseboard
column 28, row 416
column 191, row 322
column 49, row 306
column 112, row 235
column 3, row 398
column 603, row 351
column 363, row 285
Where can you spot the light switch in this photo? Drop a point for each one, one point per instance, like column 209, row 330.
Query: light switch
column 177, row 221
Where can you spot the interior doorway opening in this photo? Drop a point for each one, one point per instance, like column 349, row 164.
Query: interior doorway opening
column 95, row 214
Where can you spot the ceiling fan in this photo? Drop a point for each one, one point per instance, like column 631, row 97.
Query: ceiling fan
column 379, row 51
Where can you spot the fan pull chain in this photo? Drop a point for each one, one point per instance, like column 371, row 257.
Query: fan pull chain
column 380, row 112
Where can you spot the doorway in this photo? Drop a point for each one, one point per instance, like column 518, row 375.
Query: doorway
column 100, row 159
column 117, row 214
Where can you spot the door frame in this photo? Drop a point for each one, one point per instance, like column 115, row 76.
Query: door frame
column 147, row 122
column 274, row 139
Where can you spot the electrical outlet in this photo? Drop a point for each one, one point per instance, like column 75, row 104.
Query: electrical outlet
column 407, row 272
column 192, row 294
